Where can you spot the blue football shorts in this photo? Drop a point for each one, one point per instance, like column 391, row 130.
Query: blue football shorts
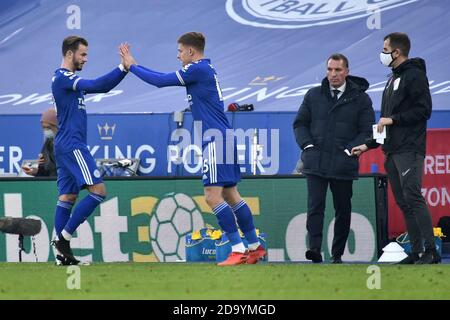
column 76, row 170
column 220, row 165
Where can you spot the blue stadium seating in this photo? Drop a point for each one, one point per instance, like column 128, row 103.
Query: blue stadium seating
column 264, row 54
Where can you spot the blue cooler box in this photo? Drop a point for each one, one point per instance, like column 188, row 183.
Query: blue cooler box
column 200, row 246
column 403, row 240
column 223, row 246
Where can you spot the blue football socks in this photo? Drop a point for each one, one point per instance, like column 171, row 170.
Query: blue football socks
column 245, row 221
column 82, row 211
column 227, row 222
column 62, row 215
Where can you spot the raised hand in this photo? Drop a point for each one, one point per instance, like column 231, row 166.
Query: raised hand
column 126, row 58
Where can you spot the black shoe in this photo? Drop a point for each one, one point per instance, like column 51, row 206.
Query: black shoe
column 61, row 261
column 410, row 259
column 429, row 257
column 313, row 255
column 336, row 259
column 63, row 246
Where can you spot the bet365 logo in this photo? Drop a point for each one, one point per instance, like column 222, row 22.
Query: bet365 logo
column 175, row 216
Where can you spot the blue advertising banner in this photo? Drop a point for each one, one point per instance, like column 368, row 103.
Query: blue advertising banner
column 165, row 147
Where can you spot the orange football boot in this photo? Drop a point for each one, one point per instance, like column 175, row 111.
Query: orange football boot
column 256, row 255
column 233, row 259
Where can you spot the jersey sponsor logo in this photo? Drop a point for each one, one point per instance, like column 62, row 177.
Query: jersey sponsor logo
column 81, row 104
column 292, row 14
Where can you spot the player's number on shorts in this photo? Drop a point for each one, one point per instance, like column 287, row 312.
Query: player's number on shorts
column 205, row 166
column 219, row 91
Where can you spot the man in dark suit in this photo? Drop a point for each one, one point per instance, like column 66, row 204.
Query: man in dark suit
column 333, row 118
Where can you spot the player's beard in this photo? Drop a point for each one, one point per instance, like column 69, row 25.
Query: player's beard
column 77, row 65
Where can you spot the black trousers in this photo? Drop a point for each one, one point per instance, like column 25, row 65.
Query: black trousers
column 342, row 191
column 404, row 171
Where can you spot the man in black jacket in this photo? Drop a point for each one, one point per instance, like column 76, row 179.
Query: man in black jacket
column 405, row 109
column 332, row 119
column 46, row 161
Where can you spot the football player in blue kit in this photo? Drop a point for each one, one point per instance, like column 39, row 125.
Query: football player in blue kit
column 220, row 177
column 76, row 168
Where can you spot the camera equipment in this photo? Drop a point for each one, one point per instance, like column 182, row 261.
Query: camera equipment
column 233, row 107
column 22, row 227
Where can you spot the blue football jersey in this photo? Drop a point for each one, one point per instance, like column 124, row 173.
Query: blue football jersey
column 202, row 87
column 68, row 95
column 206, row 103
column 70, row 111
column 204, row 94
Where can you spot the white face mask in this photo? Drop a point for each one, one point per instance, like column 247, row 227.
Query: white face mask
column 386, row 58
column 49, row 134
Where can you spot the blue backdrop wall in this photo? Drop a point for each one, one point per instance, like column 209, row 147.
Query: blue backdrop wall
column 152, row 137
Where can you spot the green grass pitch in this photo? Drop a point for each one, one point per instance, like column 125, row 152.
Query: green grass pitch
column 172, row 281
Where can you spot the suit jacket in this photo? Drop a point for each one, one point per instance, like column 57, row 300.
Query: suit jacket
column 333, row 127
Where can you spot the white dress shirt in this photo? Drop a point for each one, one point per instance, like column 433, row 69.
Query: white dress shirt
column 341, row 90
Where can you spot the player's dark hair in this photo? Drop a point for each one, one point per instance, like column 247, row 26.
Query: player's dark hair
column 338, row 57
column 399, row 40
column 72, row 43
column 193, row 39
